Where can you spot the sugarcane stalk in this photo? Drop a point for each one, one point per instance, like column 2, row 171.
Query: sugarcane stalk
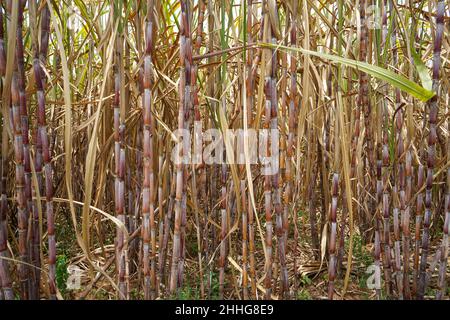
column 431, row 152
column 209, row 233
column 197, row 146
column 378, row 248
column 366, row 106
column 399, row 174
column 292, row 116
column 253, row 62
column 22, row 218
column 161, row 193
column 442, row 280
column 397, row 253
column 269, row 91
column 119, row 169
column 385, row 172
column 379, row 148
column 276, row 195
column 418, row 227
column 40, row 57
column 356, row 118
column 377, row 240
column 33, row 252
column 180, row 191
column 406, row 238
column 312, row 202
column 136, row 243
column 167, row 223
column 148, row 198
column 188, row 112
column 333, row 235
column 223, row 230
column 246, row 118
column 5, row 276
column 2, row 43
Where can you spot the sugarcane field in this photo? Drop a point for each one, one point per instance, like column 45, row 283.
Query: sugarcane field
column 224, row 150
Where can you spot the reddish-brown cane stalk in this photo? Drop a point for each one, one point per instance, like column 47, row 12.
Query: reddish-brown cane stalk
column 223, row 230
column 2, row 43
column 244, row 239
column 251, row 101
column 293, row 106
column 405, row 221
column 333, row 234
column 148, row 230
column 385, row 171
column 397, row 253
column 268, row 215
column 167, row 224
column 20, row 190
column 377, row 240
column 162, row 183
column 33, row 252
column 39, row 60
column 312, row 197
column 418, row 225
column 379, row 161
column 209, row 235
column 269, row 90
column 399, row 174
column 282, row 218
column 5, row 278
column 38, row 163
column 188, row 112
column 432, row 137
column 275, row 162
column 119, row 184
column 180, row 194
column 356, row 132
column 442, row 281
column 246, row 117
column 366, row 106
column 201, row 190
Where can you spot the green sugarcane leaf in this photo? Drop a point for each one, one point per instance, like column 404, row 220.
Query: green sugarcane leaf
column 389, row 76
column 422, row 70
